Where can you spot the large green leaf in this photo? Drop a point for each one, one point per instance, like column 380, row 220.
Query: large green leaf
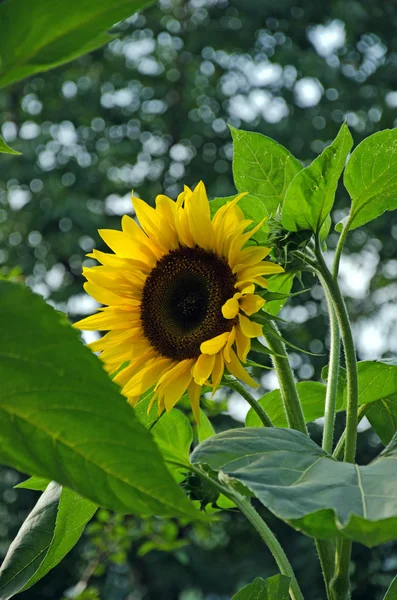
column 306, row 487
column 273, row 588
column 62, row 418
column 5, row 148
column 50, row 531
column 37, row 36
column 28, row 549
column 311, row 194
column 391, row 593
column 371, row 177
column 73, row 514
column 263, row 168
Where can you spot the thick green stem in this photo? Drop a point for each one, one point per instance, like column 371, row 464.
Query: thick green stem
column 332, row 380
column 350, row 356
column 338, row 452
column 244, row 504
column 288, row 391
column 240, row 389
column 326, row 554
column 271, row 542
column 340, row 584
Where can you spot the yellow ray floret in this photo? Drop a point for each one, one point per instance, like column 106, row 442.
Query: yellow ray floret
column 179, row 292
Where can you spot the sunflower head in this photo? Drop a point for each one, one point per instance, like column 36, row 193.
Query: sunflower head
column 179, row 291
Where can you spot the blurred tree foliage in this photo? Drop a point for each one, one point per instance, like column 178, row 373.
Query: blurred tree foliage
column 150, row 112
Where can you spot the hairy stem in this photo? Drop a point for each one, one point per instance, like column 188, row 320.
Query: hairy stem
column 240, row 389
column 350, row 356
column 340, row 584
column 288, row 391
column 340, row 446
column 244, row 504
column 332, row 380
column 271, row 542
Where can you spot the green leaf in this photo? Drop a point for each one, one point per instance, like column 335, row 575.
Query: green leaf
column 311, row 194
column 65, row 419
column 273, row 588
column 312, row 395
column 204, row 428
column 28, row 549
column 73, row 514
column 303, row 485
column 281, row 283
column 174, row 436
column 37, row 36
column 391, row 593
column 37, row 484
column 5, row 148
column 371, row 177
column 263, row 168
column 49, row 532
column 377, row 384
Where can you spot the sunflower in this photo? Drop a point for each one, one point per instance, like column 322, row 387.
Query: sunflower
column 179, row 290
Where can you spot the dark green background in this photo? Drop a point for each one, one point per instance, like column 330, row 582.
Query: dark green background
column 150, row 112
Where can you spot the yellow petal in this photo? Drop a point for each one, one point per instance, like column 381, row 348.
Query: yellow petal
column 109, row 318
column 126, row 374
column 174, row 383
column 125, row 247
column 182, row 227
column 264, row 268
column 240, row 285
column 198, row 214
column 215, row 344
column 235, row 367
column 243, row 344
column 250, row 303
column 112, row 280
column 166, row 209
column 217, row 372
column 203, row 367
column 157, row 228
column 250, row 328
column 225, row 221
column 104, row 296
column 231, row 307
column 146, row 376
column 249, row 256
column 230, row 342
column 194, row 391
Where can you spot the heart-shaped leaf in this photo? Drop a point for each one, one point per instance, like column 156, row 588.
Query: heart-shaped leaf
column 310, row 196
column 263, row 168
column 371, row 177
column 306, row 487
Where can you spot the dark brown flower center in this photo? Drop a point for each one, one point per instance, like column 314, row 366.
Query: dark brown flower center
column 182, row 301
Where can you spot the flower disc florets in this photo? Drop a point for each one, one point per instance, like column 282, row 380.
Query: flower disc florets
column 178, row 293
column 182, row 301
